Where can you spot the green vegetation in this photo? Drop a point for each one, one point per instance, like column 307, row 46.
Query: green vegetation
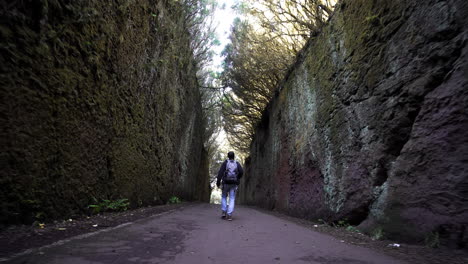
column 351, row 228
column 432, row 240
column 342, row 223
column 263, row 47
column 174, row 200
column 378, row 233
column 374, row 20
column 345, row 224
column 108, row 205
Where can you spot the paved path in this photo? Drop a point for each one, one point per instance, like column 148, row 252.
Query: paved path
column 196, row 234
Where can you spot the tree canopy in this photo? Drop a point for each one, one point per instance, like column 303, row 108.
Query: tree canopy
column 262, row 48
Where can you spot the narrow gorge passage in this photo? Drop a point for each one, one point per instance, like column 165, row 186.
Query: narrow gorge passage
column 111, row 107
column 195, row 234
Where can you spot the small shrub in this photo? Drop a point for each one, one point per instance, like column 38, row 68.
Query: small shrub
column 342, row 223
column 352, row 229
column 108, row 205
column 119, row 205
column 432, row 240
column 345, row 224
column 378, row 233
column 174, row 200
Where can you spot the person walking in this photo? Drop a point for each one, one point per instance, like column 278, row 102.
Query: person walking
column 229, row 174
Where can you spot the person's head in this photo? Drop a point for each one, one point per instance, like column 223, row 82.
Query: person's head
column 231, row 155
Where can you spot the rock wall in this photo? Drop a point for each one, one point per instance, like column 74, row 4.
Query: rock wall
column 371, row 125
column 99, row 100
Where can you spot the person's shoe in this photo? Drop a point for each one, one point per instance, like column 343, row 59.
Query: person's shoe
column 223, row 215
column 229, row 217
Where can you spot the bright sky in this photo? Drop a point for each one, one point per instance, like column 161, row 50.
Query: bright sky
column 223, row 18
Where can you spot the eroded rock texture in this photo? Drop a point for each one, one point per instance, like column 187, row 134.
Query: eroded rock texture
column 371, row 124
column 99, row 100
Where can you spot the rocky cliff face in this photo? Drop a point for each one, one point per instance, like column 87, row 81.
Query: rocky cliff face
column 99, row 100
column 371, row 124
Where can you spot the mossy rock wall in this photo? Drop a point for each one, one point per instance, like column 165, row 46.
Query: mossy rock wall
column 371, row 126
column 99, row 100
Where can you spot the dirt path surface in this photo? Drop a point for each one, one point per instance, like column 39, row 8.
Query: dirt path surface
column 196, row 234
column 15, row 239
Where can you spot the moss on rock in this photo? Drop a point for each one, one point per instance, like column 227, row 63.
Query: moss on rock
column 97, row 98
column 368, row 124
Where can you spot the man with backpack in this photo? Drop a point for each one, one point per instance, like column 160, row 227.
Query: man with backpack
column 230, row 174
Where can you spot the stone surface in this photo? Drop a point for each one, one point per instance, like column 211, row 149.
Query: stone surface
column 371, row 126
column 99, row 100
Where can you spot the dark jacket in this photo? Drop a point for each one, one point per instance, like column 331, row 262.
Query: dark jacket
column 222, row 171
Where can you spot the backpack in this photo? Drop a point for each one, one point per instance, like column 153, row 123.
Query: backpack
column 230, row 175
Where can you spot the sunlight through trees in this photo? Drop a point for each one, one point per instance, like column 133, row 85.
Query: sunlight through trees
column 263, row 46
